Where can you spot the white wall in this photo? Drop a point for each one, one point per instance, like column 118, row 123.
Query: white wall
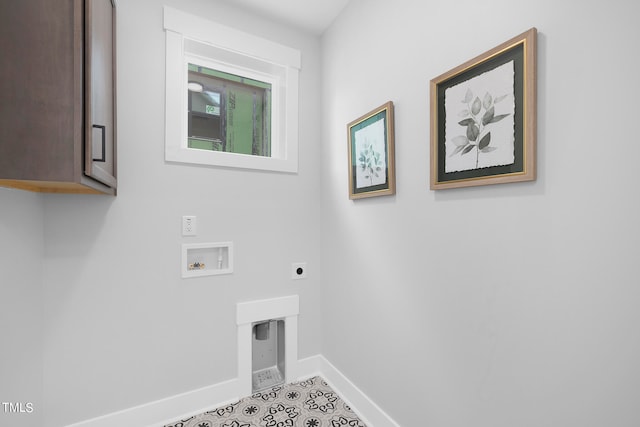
column 501, row 305
column 21, row 246
column 121, row 326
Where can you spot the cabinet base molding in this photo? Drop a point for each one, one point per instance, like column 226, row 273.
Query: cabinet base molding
column 56, row 187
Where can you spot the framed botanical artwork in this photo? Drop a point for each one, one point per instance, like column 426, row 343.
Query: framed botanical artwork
column 371, row 154
column 483, row 118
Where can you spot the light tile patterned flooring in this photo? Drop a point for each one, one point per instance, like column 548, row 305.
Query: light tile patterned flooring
column 308, row 403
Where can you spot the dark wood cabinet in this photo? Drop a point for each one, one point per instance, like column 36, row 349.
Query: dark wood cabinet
column 57, row 96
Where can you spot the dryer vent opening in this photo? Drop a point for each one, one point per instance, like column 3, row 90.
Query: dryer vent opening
column 267, row 354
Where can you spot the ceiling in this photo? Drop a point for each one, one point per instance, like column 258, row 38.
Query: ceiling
column 314, row 16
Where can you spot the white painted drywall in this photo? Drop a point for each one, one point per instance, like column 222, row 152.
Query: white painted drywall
column 500, row 306
column 21, row 246
column 122, row 328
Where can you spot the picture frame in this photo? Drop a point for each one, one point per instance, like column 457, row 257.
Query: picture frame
column 483, row 118
column 371, row 149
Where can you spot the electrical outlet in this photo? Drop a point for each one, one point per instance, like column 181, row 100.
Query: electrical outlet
column 299, row 270
column 189, row 225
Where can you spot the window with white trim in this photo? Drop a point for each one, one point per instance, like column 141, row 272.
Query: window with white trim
column 231, row 97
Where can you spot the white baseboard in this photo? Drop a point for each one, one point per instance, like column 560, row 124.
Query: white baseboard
column 167, row 410
column 170, row 409
column 370, row 413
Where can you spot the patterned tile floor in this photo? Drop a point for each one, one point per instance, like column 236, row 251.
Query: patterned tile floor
column 309, row 403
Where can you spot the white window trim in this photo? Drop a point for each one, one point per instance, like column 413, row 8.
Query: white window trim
column 271, row 62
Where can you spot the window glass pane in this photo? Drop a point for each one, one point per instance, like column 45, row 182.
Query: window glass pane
column 228, row 112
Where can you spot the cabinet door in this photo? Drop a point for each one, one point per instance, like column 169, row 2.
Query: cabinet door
column 100, row 118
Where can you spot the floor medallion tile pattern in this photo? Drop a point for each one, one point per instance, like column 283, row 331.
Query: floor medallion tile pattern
column 308, row 403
